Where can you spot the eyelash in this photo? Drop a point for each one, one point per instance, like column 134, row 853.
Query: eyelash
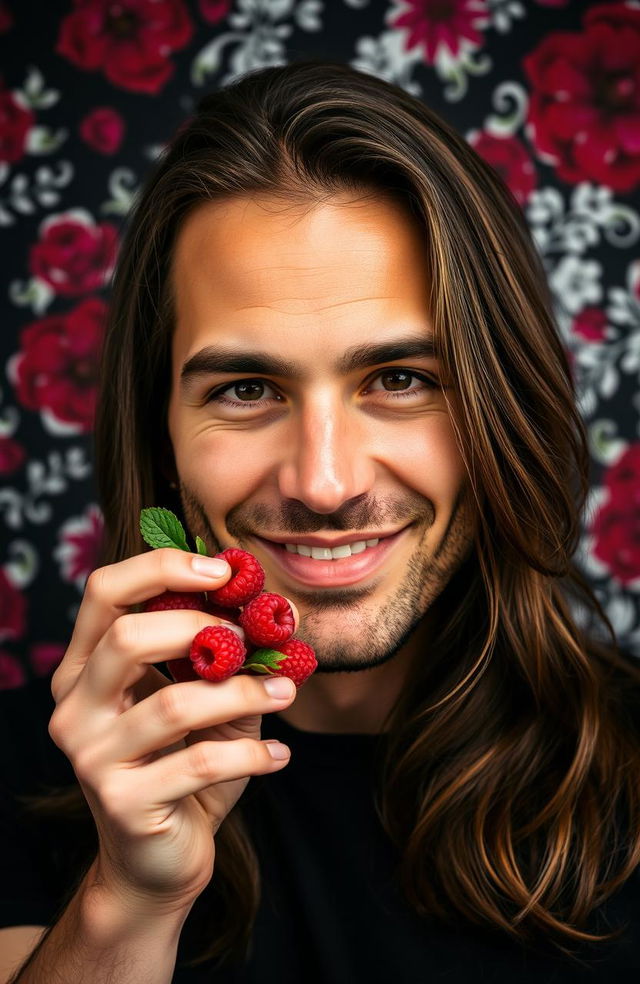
column 217, row 395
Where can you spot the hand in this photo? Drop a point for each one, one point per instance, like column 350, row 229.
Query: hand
column 161, row 764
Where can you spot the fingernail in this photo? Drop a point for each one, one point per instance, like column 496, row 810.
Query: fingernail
column 277, row 750
column 209, row 566
column 239, row 631
column 279, row 687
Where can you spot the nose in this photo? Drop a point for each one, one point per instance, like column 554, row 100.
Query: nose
column 328, row 461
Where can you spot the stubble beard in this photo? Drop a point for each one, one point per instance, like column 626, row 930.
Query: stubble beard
column 361, row 636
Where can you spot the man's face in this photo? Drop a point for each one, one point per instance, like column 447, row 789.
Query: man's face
column 307, row 413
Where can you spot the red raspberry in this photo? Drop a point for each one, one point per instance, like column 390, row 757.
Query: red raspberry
column 217, row 653
column 300, row 662
column 247, row 579
column 268, row 620
column 170, row 601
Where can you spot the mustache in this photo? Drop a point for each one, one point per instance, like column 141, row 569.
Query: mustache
column 359, row 513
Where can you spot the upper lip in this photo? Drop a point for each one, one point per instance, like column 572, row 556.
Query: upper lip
column 323, row 541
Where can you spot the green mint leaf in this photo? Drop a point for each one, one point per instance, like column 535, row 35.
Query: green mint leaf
column 201, row 547
column 162, row 528
column 257, row 668
column 269, row 658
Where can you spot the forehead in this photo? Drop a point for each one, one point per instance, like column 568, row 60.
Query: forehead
column 254, row 268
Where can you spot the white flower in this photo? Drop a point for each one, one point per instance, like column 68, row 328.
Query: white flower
column 576, row 283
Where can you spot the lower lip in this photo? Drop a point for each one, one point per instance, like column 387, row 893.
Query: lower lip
column 331, row 573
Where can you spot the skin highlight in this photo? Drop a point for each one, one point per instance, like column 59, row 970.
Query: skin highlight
column 327, row 451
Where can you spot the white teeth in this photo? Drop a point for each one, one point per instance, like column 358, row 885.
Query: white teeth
column 331, row 553
column 321, row 553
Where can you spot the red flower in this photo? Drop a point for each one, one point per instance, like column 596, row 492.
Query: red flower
column 617, row 542
column 129, row 40
column 616, row 526
column 103, row 129
column 584, row 110
column 12, row 455
column 15, row 123
column 508, row 156
column 213, row 11
column 590, row 324
column 74, row 257
column 57, row 367
column 13, row 607
column 80, row 540
column 12, row 674
column 436, row 23
column 622, row 480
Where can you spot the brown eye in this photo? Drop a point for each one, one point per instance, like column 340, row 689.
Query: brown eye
column 396, row 379
column 253, row 389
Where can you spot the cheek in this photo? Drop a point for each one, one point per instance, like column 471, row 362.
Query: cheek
column 428, row 460
column 222, row 466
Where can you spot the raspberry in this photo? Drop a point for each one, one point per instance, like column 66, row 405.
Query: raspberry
column 268, row 620
column 176, row 600
column 298, row 663
column 217, row 653
column 247, row 579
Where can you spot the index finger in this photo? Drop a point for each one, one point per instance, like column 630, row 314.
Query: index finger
column 110, row 592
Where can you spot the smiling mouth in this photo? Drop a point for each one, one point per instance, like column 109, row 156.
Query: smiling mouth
column 346, row 563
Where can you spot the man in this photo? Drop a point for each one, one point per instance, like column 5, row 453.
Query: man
column 330, row 329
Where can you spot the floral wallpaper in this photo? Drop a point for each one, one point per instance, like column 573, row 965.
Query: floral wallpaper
column 548, row 91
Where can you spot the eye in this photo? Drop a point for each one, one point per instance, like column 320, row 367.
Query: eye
column 397, row 383
column 248, row 392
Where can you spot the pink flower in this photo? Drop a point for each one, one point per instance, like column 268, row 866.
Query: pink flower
column 12, row 456
column 57, row 367
column 74, row 256
column 13, row 607
column 213, row 11
column 79, row 545
column 443, row 23
column 12, row 674
column 509, row 157
column 103, row 129
column 590, row 324
column 15, row 123
column 129, row 40
column 584, row 110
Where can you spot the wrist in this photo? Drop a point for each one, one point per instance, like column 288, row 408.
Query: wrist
column 112, row 913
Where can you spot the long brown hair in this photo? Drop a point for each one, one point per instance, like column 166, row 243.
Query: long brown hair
column 511, row 777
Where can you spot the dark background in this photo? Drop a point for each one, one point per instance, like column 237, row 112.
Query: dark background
column 548, row 92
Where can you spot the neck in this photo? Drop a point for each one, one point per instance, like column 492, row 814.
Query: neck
column 351, row 703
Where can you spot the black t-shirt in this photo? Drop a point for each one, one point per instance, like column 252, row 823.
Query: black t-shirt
column 331, row 911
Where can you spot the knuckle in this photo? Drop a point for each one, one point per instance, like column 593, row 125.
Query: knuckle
column 250, row 690
column 124, row 633
column 165, row 558
column 57, row 728
column 96, row 582
column 170, row 705
column 84, row 765
column 205, row 761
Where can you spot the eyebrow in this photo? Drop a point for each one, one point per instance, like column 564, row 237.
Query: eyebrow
column 213, row 359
